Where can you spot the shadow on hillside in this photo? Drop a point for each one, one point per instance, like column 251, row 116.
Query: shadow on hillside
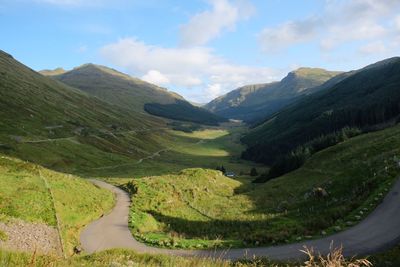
column 261, row 231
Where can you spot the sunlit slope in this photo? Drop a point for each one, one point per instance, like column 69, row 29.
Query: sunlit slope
column 45, row 121
column 24, row 195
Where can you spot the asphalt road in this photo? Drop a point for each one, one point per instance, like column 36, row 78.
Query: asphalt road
column 379, row 231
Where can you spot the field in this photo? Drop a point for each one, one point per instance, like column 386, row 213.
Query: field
column 201, row 208
column 35, row 194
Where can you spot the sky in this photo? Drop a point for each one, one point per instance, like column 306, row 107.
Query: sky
column 201, row 48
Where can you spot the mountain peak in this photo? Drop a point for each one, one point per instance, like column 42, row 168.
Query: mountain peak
column 306, row 71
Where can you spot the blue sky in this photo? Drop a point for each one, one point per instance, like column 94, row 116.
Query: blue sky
column 201, row 48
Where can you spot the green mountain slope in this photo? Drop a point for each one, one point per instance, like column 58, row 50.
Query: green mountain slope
column 363, row 99
column 134, row 94
column 48, row 122
column 203, row 208
column 254, row 102
column 116, row 87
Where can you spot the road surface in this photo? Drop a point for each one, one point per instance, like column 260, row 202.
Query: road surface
column 379, row 231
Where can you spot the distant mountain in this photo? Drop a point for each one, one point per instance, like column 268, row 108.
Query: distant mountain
column 56, row 71
column 364, row 99
column 254, row 102
column 134, row 94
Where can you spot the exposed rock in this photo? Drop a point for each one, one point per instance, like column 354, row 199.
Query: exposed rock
column 24, row 236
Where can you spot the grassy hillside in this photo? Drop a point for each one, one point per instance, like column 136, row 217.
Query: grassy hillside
column 116, row 87
column 365, row 99
column 131, row 93
column 205, row 148
column 202, row 208
column 184, row 111
column 24, row 195
column 45, row 121
column 254, row 102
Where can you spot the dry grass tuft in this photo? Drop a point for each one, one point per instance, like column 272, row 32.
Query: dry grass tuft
column 334, row 259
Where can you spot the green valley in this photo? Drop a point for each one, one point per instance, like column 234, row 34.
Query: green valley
column 202, row 208
column 190, row 188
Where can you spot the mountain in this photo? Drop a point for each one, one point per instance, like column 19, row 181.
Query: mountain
column 58, row 126
column 254, row 102
column 56, row 71
column 365, row 99
column 134, row 94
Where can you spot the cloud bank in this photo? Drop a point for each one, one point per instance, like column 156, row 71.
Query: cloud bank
column 197, row 68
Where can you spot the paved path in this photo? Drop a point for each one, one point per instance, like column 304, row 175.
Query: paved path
column 380, row 230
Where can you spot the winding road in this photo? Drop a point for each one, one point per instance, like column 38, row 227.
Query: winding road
column 379, row 231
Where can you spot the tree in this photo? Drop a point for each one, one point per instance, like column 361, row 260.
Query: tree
column 253, row 172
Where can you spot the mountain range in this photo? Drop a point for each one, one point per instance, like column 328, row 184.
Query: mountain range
column 366, row 99
column 254, row 102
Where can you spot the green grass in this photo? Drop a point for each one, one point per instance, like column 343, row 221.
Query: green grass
column 24, row 195
column 117, row 257
column 206, row 148
column 3, row 236
column 201, row 208
column 389, row 258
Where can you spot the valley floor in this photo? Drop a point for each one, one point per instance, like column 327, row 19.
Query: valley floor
column 379, row 230
column 179, row 200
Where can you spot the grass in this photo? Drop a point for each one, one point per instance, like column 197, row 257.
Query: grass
column 389, row 258
column 117, row 257
column 121, row 257
column 3, row 236
column 201, row 208
column 24, row 195
column 206, row 148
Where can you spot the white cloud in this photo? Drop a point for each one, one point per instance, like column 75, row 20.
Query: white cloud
column 156, row 77
column 192, row 69
column 214, row 90
column 377, row 47
column 289, row 33
column 209, row 24
column 397, row 23
column 341, row 22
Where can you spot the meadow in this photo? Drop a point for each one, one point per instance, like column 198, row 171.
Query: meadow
column 200, row 208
